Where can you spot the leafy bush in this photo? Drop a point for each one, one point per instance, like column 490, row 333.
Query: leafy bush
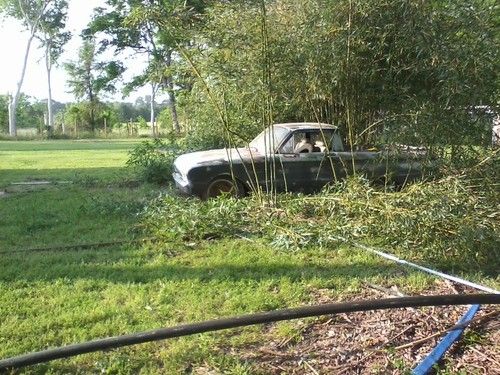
column 154, row 159
column 56, row 135
column 452, row 222
column 173, row 218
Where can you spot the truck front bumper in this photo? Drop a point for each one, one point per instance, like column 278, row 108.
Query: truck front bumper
column 182, row 184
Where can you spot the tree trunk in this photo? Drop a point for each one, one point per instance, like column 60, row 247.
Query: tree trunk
column 171, row 95
column 92, row 113
column 48, row 66
column 92, row 100
column 12, row 117
column 173, row 108
column 33, row 26
column 15, row 99
column 153, row 98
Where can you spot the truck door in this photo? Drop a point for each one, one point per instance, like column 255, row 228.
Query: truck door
column 333, row 164
column 301, row 160
column 363, row 163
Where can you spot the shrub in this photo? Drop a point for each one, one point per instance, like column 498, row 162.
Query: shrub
column 172, row 218
column 154, row 159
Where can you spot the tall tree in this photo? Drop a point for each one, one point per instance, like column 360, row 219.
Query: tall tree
column 53, row 38
column 30, row 13
column 140, row 26
column 90, row 78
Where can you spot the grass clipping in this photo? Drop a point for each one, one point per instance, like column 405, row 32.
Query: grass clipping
column 453, row 222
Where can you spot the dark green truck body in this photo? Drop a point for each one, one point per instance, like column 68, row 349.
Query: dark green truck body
column 284, row 163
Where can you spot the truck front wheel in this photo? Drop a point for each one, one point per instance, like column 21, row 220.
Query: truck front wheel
column 223, row 186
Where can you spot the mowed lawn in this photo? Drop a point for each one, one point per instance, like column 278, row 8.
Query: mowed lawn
column 58, row 297
column 62, row 160
column 88, row 201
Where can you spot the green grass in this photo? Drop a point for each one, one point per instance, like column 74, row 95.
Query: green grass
column 92, row 200
column 63, row 160
column 68, row 215
column 67, row 297
column 54, row 298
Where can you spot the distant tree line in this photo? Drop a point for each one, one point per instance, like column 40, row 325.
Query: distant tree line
column 45, row 21
column 106, row 116
column 32, row 114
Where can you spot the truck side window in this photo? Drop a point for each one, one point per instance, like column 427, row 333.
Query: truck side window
column 325, row 141
column 296, row 139
column 321, row 140
column 288, row 147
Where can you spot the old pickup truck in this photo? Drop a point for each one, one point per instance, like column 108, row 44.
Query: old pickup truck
column 295, row 157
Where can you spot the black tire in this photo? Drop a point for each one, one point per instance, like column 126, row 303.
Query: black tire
column 223, row 185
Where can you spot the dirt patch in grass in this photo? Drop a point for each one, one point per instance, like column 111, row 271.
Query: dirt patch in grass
column 33, row 183
column 17, row 188
column 388, row 342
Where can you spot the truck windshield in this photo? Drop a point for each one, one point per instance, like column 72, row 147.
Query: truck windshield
column 269, row 140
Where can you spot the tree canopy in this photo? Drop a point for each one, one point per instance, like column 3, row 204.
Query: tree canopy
column 412, row 72
column 90, row 78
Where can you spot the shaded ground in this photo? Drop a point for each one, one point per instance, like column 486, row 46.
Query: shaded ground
column 385, row 342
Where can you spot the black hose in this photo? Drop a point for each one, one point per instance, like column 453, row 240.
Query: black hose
column 241, row 321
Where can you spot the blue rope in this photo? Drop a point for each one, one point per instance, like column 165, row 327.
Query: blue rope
column 437, row 353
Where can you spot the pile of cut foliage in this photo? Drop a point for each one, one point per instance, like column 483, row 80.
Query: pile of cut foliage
column 453, row 222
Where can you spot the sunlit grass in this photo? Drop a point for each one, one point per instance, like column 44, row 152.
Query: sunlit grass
column 22, row 161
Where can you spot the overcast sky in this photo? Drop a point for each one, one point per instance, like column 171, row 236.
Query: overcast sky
column 13, row 42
